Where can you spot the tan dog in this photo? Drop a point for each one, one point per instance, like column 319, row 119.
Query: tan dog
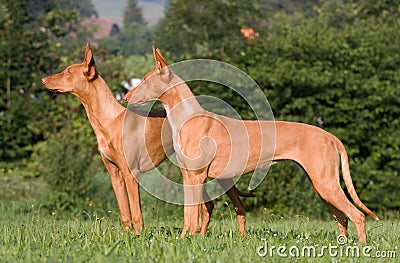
column 211, row 145
column 146, row 142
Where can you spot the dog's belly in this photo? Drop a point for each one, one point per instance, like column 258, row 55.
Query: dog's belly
column 249, row 146
column 239, row 163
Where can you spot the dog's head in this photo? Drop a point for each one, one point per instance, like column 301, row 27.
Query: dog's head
column 74, row 78
column 153, row 84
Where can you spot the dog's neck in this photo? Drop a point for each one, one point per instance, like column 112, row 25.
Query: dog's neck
column 179, row 102
column 100, row 104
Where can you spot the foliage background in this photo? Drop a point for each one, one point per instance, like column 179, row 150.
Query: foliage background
column 334, row 64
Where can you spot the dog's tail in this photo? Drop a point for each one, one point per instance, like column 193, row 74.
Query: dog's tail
column 347, row 178
column 244, row 194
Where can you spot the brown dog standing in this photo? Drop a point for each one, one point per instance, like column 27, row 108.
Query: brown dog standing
column 146, row 143
column 211, row 145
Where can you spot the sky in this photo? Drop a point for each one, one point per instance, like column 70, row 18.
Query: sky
column 152, row 12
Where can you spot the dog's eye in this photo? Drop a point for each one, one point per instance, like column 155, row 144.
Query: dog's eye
column 67, row 72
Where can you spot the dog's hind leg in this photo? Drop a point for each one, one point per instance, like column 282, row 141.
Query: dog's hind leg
column 207, row 209
column 325, row 179
column 340, row 217
column 239, row 209
column 328, row 188
column 340, row 201
column 233, row 194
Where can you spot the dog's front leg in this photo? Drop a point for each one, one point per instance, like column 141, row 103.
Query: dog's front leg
column 118, row 184
column 132, row 186
column 193, row 195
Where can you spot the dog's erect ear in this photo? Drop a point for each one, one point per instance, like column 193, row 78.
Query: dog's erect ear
column 154, row 54
column 90, row 67
column 160, row 58
column 88, row 55
column 165, row 73
column 161, row 65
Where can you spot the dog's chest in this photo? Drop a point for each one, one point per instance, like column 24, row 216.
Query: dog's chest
column 106, row 149
column 107, row 156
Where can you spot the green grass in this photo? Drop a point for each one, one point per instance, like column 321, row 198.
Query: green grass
column 29, row 235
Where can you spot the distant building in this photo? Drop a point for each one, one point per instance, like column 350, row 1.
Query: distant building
column 101, row 27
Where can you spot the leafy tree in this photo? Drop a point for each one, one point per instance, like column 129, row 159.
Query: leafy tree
column 212, row 30
column 335, row 67
column 133, row 15
column 34, row 44
column 368, row 8
column 85, row 7
column 135, row 40
column 31, row 33
column 193, row 29
column 68, row 162
column 339, row 71
column 37, row 8
column 20, row 63
column 135, row 36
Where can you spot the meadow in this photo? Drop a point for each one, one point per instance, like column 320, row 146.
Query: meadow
column 28, row 234
column 339, row 70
